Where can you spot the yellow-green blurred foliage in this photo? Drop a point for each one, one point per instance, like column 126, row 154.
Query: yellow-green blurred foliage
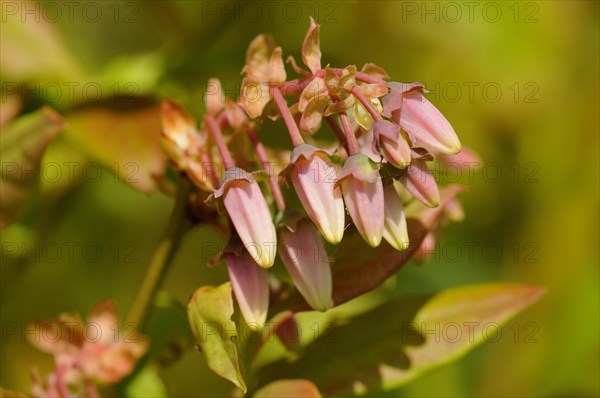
column 518, row 81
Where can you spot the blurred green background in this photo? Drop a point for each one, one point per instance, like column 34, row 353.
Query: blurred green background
column 518, row 81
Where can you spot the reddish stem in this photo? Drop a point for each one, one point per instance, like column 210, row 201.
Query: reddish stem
column 366, row 103
column 366, row 78
column 205, row 159
column 297, row 85
column 262, row 156
column 337, row 130
column 287, row 116
column 350, row 138
column 214, row 129
column 222, row 121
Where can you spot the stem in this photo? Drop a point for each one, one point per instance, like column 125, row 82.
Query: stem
column 337, row 130
column 366, row 103
column 297, row 85
column 204, row 158
column 350, row 138
column 178, row 225
column 366, row 78
column 262, row 156
column 287, row 116
column 214, row 129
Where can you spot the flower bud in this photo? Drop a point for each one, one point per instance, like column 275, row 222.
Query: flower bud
column 420, row 118
column 395, row 231
column 388, row 140
column 249, row 214
column 305, row 258
column 250, row 285
column 419, row 181
column 363, row 194
column 313, row 176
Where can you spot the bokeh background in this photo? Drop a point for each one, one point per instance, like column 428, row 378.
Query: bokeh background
column 518, row 81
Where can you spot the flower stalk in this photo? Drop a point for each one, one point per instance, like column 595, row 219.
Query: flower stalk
column 179, row 224
column 264, row 160
column 366, row 103
column 349, row 134
column 215, row 131
column 287, row 116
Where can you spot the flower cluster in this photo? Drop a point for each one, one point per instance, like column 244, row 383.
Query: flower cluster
column 386, row 133
column 85, row 353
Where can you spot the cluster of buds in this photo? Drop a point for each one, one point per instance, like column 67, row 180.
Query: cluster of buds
column 386, row 131
column 85, row 354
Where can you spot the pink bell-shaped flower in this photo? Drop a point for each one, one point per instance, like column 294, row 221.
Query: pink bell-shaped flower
column 388, row 141
column 313, row 175
column 305, row 258
column 419, row 181
column 420, row 118
column 249, row 214
column 363, row 194
column 250, row 285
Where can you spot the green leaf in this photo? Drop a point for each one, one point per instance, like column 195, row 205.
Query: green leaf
column 209, row 314
column 28, row 40
column 289, row 388
column 23, row 144
column 126, row 142
column 146, row 383
column 400, row 340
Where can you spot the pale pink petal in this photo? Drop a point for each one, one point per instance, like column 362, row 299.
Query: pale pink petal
column 305, row 258
column 311, row 52
column 251, row 288
column 425, row 122
column 419, row 181
column 365, row 203
column 314, row 182
column 252, row 219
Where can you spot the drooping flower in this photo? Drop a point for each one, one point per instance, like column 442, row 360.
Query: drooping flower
column 420, row 118
column 362, row 189
column 388, row 141
column 419, row 181
column 250, row 284
column 303, row 253
column 395, row 230
column 313, row 175
column 250, row 214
